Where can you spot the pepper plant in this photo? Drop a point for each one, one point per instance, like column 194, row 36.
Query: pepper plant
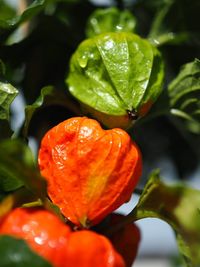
column 109, row 91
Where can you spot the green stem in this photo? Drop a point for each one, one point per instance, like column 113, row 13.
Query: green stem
column 135, row 215
column 36, row 203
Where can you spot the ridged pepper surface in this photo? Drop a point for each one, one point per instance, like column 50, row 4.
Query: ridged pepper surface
column 90, row 171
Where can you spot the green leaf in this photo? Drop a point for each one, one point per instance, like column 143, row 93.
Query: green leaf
column 184, row 94
column 17, row 168
column 160, row 32
column 110, row 20
column 6, row 11
column 7, row 95
column 11, row 23
column 31, row 11
column 172, row 22
column 115, row 73
column 15, row 252
column 49, row 97
column 8, row 180
column 179, row 206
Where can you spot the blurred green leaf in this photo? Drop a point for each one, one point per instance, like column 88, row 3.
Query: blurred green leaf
column 15, row 252
column 17, row 168
column 6, row 11
column 49, row 98
column 8, row 179
column 7, row 95
column 177, row 261
column 12, row 23
column 161, row 32
column 110, row 20
column 115, row 73
column 172, row 22
column 179, row 206
column 184, row 94
column 7, row 24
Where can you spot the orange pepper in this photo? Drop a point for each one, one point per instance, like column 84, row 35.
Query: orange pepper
column 53, row 240
column 42, row 230
column 90, row 171
column 87, row 248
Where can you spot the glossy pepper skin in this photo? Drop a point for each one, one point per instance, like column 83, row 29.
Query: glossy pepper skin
column 54, row 240
column 87, row 248
column 90, row 171
column 42, row 230
column 126, row 239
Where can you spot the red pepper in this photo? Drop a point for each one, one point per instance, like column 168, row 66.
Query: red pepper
column 126, row 239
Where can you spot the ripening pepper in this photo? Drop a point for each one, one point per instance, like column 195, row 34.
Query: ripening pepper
column 53, row 240
column 126, row 239
column 87, row 248
column 42, row 230
column 90, row 171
